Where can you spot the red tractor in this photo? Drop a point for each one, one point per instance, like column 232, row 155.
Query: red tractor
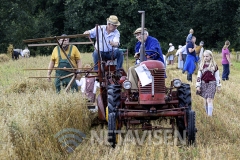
column 119, row 106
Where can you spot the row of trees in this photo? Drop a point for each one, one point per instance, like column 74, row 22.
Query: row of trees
column 213, row 21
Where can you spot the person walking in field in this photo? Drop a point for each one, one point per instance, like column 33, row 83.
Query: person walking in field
column 208, row 80
column 191, row 59
column 59, row 60
column 226, row 61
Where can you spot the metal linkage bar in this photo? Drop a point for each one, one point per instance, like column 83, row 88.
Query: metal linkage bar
column 55, row 37
column 55, row 44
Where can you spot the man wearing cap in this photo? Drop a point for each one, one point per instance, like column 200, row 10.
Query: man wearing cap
column 59, row 60
column 152, row 49
column 109, row 41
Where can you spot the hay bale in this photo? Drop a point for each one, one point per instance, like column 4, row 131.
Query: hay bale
column 171, row 53
column 4, row 57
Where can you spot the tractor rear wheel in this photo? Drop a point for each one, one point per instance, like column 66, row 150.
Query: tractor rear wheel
column 114, row 100
column 112, row 129
column 184, row 97
column 191, row 128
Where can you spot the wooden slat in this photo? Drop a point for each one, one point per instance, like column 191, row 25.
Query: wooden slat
column 55, row 44
column 53, row 38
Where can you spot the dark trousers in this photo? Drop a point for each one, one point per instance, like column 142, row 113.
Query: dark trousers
column 117, row 54
column 189, row 77
column 226, row 72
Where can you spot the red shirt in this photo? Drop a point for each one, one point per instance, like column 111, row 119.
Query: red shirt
column 208, row 75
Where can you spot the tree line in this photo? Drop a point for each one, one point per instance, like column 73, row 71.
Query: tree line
column 213, row 21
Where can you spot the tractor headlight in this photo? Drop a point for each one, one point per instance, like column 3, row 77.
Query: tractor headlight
column 127, row 84
column 177, row 83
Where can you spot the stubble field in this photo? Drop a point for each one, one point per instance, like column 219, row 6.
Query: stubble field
column 31, row 114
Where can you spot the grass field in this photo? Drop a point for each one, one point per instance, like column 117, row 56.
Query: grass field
column 31, row 114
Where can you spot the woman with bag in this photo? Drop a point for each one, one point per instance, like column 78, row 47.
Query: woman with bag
column 208, row 80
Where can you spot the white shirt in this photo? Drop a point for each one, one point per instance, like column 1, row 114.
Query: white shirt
column 178, row 51
column 201, row 52
column 105, row 38
column 183, row 50
column 82, row 83
column 171, row 49
column 25, row 52
column 164, row 57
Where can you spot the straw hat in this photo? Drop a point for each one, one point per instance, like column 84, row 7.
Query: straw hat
column 113, row 20
column 139, row 30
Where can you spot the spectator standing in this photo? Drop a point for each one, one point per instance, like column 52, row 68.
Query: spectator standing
column 180, row 62
column 191, row 59
column 170, row 53
column 183, row 54
column 226, row 61
column 201, row 50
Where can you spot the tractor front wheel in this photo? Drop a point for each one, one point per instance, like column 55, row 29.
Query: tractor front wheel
column 112, row 129
column 184, row 96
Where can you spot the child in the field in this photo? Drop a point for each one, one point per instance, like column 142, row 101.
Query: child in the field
column 88, row 86
column 208, row 80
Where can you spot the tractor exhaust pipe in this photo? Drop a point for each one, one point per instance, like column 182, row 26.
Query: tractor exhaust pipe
column 98, row 51
column 142, row 47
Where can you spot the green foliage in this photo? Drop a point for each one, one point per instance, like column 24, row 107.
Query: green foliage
column 169, row 21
